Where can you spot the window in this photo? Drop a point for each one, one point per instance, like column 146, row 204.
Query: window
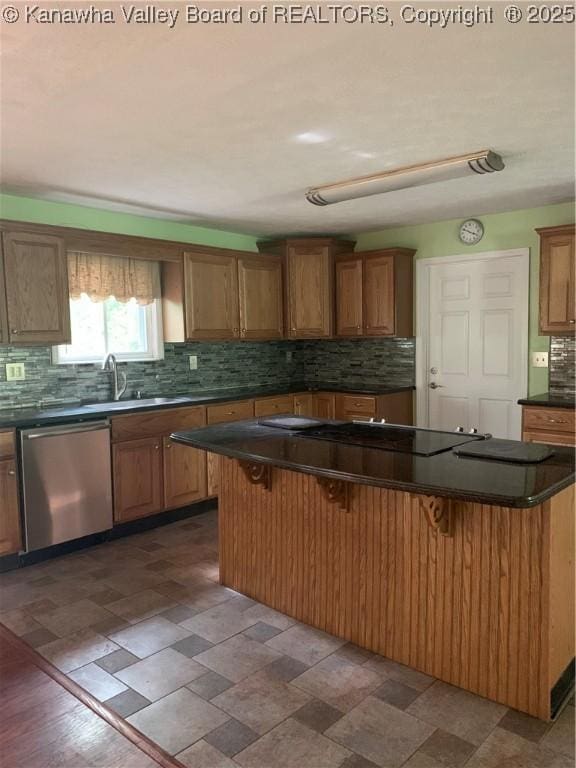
column 127, row 329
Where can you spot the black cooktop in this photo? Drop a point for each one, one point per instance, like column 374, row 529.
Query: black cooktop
column 420, row 442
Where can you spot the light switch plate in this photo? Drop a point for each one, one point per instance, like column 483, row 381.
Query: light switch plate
column 540, row 359
column 193, row 361
column 15, row 372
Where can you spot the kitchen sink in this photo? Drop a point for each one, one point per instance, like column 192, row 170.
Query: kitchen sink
column 119, row 405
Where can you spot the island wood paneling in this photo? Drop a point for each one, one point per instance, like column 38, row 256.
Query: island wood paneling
column 485, row 609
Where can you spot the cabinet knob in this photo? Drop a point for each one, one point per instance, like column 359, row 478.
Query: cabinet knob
column 15, row 330
column 11, row 472
column 168, row 446
column 156, row 447
column 572, row 321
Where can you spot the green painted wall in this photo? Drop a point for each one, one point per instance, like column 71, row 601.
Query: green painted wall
column 83, row 217
column 502, row 231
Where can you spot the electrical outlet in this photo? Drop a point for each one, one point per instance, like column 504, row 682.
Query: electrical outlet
column 289, row 356
column 193, row 362
column 540, row 359
column 15, row 372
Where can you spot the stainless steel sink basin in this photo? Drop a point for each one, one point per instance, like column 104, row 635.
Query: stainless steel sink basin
column 119, row 405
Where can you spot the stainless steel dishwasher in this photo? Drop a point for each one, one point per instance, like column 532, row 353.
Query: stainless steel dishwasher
column 67, row 482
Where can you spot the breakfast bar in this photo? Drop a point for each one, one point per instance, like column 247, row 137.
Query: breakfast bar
column 458, row 566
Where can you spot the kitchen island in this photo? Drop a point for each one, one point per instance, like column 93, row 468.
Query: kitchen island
column 459, row 567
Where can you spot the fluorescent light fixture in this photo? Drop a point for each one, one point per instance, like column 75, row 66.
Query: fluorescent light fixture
column 482, row 162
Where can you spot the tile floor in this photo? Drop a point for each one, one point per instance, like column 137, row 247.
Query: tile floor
column 221, row 681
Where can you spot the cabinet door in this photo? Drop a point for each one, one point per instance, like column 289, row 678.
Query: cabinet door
column 324, row 406
column 304, row 404
column 37, row 298
column 213, row 473
column 137, row 479
column 379, row 309
column 260, row 297
column 349, row 313
column 309, row 291
column 184, row 474
column 557, row 310
column 10, row 540
column 211, row 296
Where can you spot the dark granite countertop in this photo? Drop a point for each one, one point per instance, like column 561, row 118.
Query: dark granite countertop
column 75, row 412
column 550, row 400
column 445, row 474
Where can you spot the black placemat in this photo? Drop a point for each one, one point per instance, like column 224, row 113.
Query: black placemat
column 505, row 450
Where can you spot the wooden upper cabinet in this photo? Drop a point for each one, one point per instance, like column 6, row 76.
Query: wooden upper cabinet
column 309, row 277
column 37, row 297
column 557, row 296
column 309, row 283
column 211, row 296
column 379, row 295
column 349, row 309
column 260, row 297
column 388, row 287
column 374, row 293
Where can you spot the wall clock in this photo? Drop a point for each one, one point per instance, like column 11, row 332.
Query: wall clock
column 471, row 231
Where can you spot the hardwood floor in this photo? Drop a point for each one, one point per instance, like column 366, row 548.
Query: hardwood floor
column 47, row 721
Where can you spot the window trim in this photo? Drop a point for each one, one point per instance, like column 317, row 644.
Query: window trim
column 155, row 335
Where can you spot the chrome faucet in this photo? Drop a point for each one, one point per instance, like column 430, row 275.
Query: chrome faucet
column 111, row 364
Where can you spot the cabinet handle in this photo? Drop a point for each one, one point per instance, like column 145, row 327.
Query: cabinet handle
column 230, row 413
column 11, row 472
column 572, row 321
column 557, row 421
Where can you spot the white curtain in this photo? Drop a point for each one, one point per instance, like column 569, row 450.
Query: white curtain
column 101, row 276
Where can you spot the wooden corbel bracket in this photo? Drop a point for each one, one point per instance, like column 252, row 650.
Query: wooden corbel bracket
column 439, row 513
column 336, row 492
column 257, row 474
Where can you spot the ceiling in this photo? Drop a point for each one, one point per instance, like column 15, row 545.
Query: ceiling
column 226, row 125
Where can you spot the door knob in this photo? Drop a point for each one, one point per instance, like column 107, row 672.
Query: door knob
column 433, row 385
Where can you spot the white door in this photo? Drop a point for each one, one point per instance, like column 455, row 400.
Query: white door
column 477, row 342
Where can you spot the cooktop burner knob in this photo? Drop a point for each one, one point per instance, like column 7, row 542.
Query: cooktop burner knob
column 473, row 431
column 459, row 429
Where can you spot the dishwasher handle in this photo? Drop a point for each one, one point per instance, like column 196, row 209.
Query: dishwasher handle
column 66, row 430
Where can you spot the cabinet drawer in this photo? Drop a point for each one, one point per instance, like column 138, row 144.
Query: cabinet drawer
column 236, row 411
column 152, row 423
column 7, row 444
column 268, row 406
column 357, row 405
column 549, row 438
column 550, row 419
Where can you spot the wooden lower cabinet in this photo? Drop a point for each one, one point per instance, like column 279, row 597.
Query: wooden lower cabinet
column 184, row 474
column 552, row 426
column 137, row 468
column 304, row 404
column 10, row 534
column 324, row 405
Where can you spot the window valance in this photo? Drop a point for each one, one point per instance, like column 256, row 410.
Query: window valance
column 101, row 276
